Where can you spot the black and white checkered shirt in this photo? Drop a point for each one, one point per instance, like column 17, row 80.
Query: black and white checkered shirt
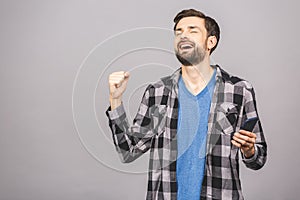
column 155, row 128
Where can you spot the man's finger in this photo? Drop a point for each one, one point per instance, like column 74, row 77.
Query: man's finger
column 236, row 144
column 116, row 83
column 247, row 133
column 244, row 141
column 245, row 137
column 239, row 140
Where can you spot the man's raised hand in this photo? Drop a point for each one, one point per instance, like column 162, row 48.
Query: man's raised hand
column 117, row 85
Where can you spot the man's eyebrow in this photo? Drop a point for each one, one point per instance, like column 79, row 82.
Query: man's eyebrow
column 190, row 27
column 193, row 27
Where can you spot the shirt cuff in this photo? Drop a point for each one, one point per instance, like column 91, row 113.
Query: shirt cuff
column 251, row 159
column 115, row 113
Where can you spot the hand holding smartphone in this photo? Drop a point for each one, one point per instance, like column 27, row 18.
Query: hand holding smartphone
column 248, row 125
column 245, row 138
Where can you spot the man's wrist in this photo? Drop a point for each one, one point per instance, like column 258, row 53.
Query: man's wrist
column 114, row 103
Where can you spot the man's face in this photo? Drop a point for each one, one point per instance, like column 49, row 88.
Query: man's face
column 190, row 41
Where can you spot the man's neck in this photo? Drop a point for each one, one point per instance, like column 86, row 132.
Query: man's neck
column 197, row 74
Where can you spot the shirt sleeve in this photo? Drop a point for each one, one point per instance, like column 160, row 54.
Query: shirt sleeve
column 258, row 160
column 131, row 141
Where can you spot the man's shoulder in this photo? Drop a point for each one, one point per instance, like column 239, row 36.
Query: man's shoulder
column 235, row 80
column 166, row 82
column 160, row 87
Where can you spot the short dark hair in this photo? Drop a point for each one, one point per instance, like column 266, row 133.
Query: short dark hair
column 211, row 25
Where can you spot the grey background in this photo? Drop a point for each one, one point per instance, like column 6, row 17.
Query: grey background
column 43, row 44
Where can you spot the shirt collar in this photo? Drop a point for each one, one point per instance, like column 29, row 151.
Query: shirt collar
column 176, row 75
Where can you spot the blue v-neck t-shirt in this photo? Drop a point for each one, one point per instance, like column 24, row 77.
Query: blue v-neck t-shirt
column 191, row 138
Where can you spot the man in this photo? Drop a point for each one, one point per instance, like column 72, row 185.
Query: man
column 194, row 122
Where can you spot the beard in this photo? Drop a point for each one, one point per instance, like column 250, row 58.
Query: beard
column 191, row 57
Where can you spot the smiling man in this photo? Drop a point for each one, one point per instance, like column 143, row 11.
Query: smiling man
column 195, row 121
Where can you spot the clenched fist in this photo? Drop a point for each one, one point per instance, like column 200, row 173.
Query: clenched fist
column 117, row 86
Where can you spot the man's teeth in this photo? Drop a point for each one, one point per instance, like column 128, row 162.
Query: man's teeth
column 185, row 46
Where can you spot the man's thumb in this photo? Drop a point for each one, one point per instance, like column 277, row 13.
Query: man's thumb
column 126, row 75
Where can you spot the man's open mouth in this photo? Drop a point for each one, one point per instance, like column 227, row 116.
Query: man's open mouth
column 185, row 45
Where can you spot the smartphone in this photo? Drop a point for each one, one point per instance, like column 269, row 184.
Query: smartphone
column 249, row 124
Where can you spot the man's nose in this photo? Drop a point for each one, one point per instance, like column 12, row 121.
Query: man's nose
column 184, row 34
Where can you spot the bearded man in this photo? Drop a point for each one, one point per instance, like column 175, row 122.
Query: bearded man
column 194, row 122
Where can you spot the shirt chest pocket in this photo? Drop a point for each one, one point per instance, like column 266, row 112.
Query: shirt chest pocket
column 227, row 116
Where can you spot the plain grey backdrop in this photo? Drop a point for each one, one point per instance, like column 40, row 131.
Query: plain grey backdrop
column 44, row 44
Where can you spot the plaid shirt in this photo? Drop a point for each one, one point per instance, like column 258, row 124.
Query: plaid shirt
column 155, row 128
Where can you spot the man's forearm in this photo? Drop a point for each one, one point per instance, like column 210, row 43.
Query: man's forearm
column 114, row 103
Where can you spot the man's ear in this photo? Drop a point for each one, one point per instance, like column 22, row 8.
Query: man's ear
column 211, row 42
